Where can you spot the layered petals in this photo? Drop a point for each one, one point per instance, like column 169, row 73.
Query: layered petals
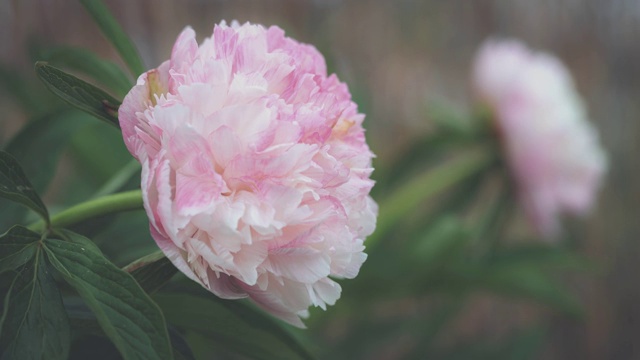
column 553, row 152
column 255, row 167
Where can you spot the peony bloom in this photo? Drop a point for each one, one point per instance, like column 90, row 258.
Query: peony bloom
column 552, row 150
column 255, row 167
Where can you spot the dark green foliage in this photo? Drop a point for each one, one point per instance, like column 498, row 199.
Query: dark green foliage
column 79, row 93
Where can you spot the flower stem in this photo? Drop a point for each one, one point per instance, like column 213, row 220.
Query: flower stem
column 421, row 188
column 125, row 201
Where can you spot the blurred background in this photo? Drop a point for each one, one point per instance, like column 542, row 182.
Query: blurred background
column 399, row 58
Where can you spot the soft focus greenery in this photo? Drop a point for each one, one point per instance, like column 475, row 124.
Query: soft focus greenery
column 70, row 288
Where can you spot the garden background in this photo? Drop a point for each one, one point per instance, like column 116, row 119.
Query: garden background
column 400, row 58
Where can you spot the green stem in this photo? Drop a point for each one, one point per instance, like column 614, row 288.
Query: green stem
column 421, row 188
column 125, row 201
column 491, row 226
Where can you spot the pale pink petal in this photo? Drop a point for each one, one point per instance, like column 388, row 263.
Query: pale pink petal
column 328, row 291
column 301, row 264
column 173, row 253
column 552, row 150
column 195, row 194
column 255, row 168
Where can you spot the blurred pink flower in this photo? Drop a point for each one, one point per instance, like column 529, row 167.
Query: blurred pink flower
column 553, row 151
column 255, row 169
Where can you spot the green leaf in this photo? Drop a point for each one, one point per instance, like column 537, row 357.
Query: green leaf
column 84, row 321
column 121, row 178
column 437, row 322
column 17, row 246
column 529, row 282
column 230, row 325
column 125, row 312
column 405, row 269
column 422, row 153
column 86, row 62
column 181, row 349
column 93, row 347
column 152, row 271
column 38, row 147
column 15, row 186
column 114, row 33
column 130, row 231
column 449, row 120
column 521, row 344
column 96, row 347
column 35, row 324
column 541, row 255
column 88, row 152
column 79, row 93
column 419, row 189
column 497, row 212
column 21, row 89
column 39, row 144
column 447, row 236
column 525, row 344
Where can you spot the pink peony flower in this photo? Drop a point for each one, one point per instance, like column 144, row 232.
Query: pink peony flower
column 255, row 169
column 553, row 151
